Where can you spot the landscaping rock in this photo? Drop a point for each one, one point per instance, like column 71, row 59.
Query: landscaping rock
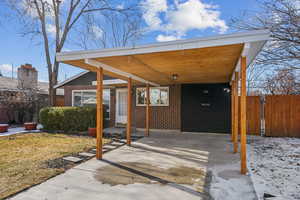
column 267, row 196
column 72, row 159
column 117, row 143
column 108, row 146
column 85, row 154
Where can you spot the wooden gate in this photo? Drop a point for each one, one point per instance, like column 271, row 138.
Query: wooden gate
column 282, row 116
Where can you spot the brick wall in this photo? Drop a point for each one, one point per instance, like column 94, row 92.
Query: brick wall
column 161, row 117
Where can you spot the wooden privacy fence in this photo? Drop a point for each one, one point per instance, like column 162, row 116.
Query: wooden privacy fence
column 253, row 112
column 253, row 115
column 282, row 115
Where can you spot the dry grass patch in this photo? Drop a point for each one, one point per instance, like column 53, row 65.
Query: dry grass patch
column 23, row 158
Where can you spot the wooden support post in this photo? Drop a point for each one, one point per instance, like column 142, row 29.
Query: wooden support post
column 232, row 109
column 236, row 114
column 147, row 110
column 99, row 117
column 243, row 116
column 128, row 131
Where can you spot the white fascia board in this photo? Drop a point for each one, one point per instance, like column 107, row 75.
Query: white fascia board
column 111, row 82
column 250, row 51
column 227, row 39
column 117, row 71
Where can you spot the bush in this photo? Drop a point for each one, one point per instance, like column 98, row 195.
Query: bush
column 67, row 119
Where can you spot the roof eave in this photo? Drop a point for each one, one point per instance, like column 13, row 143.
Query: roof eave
column 221, row 40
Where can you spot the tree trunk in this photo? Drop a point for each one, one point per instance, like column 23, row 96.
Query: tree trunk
column 52, row 83
column 52, row 95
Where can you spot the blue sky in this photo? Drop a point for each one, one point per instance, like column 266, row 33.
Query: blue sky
column 166, row 20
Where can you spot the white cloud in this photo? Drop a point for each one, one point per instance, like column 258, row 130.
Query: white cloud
column 51, row 29
column 165, row 38
column 97, row 32
column 182, row 16
column 6, row 69
column 152, row 10
column 194, row 14
column 120, row 6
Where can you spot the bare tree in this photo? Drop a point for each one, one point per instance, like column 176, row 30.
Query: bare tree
column 282, row 18
column 52, row 21
column 111, row 30
column 282, row 81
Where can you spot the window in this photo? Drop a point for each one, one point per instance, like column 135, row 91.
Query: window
column 88, row 98
column 159, row 96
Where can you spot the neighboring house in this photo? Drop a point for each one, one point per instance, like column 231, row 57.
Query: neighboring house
column 27, row 79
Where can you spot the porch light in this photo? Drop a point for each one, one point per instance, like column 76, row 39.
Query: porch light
column 174, row 77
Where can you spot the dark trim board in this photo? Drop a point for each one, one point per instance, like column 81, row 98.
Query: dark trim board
column 206, row 108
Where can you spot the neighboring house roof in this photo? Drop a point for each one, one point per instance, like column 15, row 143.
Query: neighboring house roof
column 11, row 84
column 108, row 82
column 70, row 79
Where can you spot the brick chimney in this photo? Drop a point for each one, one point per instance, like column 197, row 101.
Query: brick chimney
column 27, row 77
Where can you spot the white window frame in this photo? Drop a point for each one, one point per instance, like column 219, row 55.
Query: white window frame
column 161, row 87
column 91, row 90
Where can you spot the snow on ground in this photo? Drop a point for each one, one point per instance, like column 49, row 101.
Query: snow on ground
column 228, row 184
column 274, row 164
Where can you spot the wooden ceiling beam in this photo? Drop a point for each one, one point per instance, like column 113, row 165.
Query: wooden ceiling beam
column 106, row 67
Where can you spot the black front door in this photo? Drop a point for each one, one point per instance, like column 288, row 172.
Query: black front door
column 205, row 108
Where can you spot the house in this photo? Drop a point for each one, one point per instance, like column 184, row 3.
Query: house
column 193, row 84
column 27, row 79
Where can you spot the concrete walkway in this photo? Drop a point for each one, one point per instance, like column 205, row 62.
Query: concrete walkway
column 162, row 166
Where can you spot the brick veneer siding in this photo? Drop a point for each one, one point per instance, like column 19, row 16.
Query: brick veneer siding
column 161, row 117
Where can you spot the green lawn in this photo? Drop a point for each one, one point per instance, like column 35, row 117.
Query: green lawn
column 24, row 158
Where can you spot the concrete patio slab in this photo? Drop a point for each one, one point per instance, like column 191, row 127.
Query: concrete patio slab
column 163, row 166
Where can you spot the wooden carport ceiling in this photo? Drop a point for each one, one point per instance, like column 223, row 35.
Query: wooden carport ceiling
column 204, row 65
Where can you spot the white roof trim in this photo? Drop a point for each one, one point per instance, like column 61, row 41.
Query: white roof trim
column 111, row 82
column 117, row 71
column 220, row 40
column 250, row 51
column 71, row 79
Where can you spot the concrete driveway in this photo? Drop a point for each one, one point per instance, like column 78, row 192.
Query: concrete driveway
column 162, row 166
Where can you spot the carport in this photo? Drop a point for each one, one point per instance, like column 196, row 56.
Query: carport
column 219, row 59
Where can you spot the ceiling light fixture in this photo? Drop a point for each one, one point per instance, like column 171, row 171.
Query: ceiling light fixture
column 174, row 77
